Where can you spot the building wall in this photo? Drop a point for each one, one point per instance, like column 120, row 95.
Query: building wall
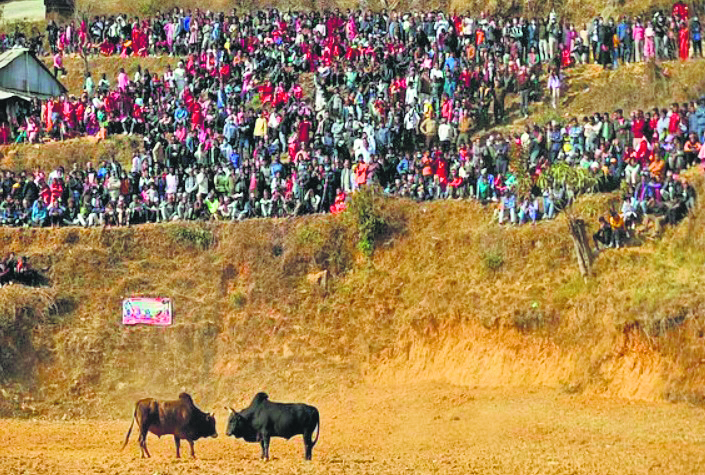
column 26, row 75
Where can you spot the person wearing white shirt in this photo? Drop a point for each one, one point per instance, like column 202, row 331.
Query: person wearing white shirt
column 346, row 177
column 412, row 93
column 180, row 77
column 136, row 163
column 202, row 182
column 445, row 134
column 172, row 182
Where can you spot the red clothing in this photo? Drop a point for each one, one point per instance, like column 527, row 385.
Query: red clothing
column 304, row 131
column 638, row 128
column 56, row 190
column 442, row 171
column 266, row 93
column 673, row 123
column 684, row 43
column 457, row 181
column 680, row 11
column 339, row 206
column 45, row 195
column 361, row 173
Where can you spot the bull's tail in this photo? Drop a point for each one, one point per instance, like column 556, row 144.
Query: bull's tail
column 129, row 431
column 318, row 428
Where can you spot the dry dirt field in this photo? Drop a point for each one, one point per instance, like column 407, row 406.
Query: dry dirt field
column 430, row 428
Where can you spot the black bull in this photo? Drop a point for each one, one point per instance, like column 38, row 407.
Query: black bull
column 180, row 418
column 264, row 419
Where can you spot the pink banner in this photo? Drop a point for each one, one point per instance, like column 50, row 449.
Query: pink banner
column 148, row 311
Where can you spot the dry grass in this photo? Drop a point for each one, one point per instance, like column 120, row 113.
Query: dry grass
column 631, row 87
column 634, row 86
column 76, row 151
column 427, row 306
column 110, row 66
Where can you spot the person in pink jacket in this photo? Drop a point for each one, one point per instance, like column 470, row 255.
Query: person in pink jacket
column 649, row 48
column 123, row 80
column 638, row 33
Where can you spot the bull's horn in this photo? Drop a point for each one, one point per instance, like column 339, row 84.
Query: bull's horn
column 229, row 409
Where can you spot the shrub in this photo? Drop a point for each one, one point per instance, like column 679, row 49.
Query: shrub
column 530, row 320
column 493, row 259
column 366, row 216
column 321, row 245
column 199, row 238
column 238, row 300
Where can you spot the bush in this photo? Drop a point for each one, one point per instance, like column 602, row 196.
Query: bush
column 365, row 213
column 238, row 300
column 199, row 238
column 493, row 260
column 321, row 245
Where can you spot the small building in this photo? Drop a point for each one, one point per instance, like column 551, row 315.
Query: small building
column 23, row 77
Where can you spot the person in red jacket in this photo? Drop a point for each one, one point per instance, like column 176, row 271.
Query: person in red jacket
column 339, row 205
column 680, row 11
column 638, row 124
column 56, row 190
column 455, row 185
column 674, row 120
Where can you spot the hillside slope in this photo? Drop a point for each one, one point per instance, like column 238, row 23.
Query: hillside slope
column 448, row 296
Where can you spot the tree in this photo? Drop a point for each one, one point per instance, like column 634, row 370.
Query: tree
column 575, row 181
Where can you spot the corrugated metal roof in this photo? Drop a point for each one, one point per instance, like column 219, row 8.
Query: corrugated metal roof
column 10, row 55
column 4, row 94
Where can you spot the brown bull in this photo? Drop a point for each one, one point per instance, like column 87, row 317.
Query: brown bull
column 180, row 418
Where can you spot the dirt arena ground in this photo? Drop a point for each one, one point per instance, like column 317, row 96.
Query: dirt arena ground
column 390, row 430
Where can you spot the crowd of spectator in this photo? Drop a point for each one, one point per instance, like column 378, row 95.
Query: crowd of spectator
column 667, row 35
column 644, row 153
column 396, row 100
column 180, row 32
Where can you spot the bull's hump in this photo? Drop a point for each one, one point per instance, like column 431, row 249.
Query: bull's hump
column 186, row 397
column 260, row 397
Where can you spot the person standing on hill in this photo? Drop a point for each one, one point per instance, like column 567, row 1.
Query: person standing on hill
column 554, row 87
column 59, row 64
column 638, row 35
column 660, row 35
column 625, row 37
column 684, row 41
column 606, row 43
column 524, row 87
column 428, row 129
column 696, row 37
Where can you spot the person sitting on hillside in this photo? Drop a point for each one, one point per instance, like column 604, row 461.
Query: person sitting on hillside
column 603, row 235
column 618, row 231
column 5, row 273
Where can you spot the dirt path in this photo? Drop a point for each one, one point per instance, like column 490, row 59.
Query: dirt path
column 422, row 429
